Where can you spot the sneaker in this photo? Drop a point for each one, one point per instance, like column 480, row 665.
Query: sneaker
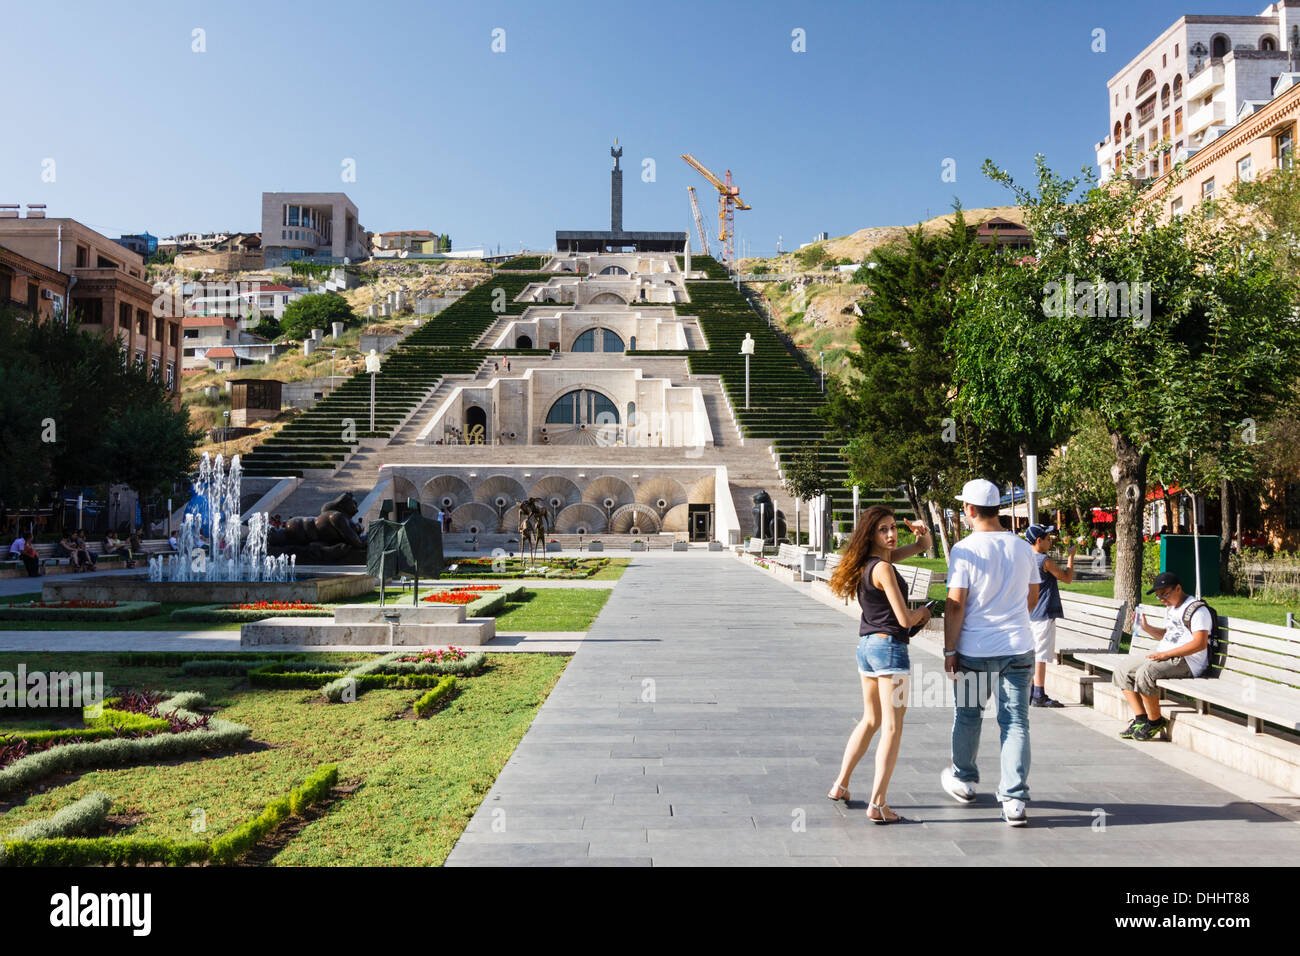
column 1013, row 813
column 1044, row 701
column 959, row 790
column 1153, row 730
column 1132, row 727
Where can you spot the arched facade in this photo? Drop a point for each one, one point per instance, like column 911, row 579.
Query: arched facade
column 599, row 339
column 583, row 406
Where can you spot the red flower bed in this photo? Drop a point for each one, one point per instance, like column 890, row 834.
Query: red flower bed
column 274, row 606
column 462, row 595
column 67, row 604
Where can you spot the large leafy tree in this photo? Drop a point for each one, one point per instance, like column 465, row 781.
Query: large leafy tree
column 315, row 311
column 1171, row 374
column 897, row 415
column 1077, row 477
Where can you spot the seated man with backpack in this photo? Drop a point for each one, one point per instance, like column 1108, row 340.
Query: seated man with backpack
column 1184, row 651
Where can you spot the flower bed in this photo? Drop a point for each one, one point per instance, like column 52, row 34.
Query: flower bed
column 243, row 613
column 559, row 568
column 449, row 655
column 79, row 610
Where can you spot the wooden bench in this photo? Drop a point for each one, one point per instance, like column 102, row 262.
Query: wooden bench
column 1257, row 675
column 827, row 569
column 1090, row 624
column 918, row 581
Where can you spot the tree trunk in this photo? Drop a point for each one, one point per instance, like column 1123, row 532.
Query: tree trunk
column 937, row 516
column 1130, row 496
column 1225, row 535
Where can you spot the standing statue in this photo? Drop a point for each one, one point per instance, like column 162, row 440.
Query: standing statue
column 616, row 153
column 534, row 525
column 328, row 538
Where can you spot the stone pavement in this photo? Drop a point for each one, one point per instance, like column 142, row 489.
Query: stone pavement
column 703, row 721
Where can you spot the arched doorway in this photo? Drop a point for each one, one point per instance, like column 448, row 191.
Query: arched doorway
column 475, row 426
column 632, row 344
column 631, row 422
column 523, row 342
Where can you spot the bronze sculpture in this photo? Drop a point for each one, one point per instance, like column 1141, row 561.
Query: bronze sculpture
column 534, row 525
column 327, row 538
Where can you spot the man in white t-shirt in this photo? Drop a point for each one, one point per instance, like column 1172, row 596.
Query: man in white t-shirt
column 1183, row 652
column 989, row 647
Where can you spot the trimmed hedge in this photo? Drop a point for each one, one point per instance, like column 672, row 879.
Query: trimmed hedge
column 84, row 816
column 428, row 702
column 220, row 734
column 388, row 672
column 127, row 850
column 295, row 675
column 125, row 611
column 219, row 668
column 96, row 728
column 221, row 614
column 472, row 664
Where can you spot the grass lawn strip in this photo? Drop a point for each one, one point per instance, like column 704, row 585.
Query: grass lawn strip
column 227, row 849
column 219, row 734
column 553, row 609
column 422, row 779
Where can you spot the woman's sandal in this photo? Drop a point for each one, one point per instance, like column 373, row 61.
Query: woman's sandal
column 882, row 807
column 839, row 793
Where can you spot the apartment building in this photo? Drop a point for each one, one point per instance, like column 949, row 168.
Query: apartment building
column 104, row 282
column 405, row 240
column 1191, row 84
column 311, row 227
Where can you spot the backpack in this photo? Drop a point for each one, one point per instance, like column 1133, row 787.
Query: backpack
column 1214, row 645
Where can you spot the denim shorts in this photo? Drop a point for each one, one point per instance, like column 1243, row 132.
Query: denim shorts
column 879, row 655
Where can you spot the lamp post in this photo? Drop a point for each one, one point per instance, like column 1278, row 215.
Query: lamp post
column 372, row 366
column 333, row 355
column 747, row 349
column 821, row 357
column 225, row 431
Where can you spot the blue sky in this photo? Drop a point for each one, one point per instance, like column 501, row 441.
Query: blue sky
column 506, row 147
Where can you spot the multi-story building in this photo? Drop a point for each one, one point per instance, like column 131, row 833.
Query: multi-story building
column 203, row 240
column 1191, row 83
column 405, row 240
column 311, row 227
column 103, row 281
column 142, row 244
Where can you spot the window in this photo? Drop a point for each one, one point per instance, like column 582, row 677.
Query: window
column 1245, row 173
column 582, row 406
column 1128, row 124
column 1164, row 128
column 159, row 327
column 103, row 262
column 141, row 323
column 1207, row 189
column 1168, row 160
column 1220, row 46
column 124, row 315
column 293, row 215
column 153, row 365
column 171, row 374
column 171, row 335
column 1147, row 111
column 83, row 257
column 1267, row 43
column 139, row 358
column 1146, row 81
column 1164, row 97
column 1178, row 120
column 1284, row 143
column 189, row 353
column 191, row 333
column 1164, row 60
column 1178, row 86
column 1175, row 51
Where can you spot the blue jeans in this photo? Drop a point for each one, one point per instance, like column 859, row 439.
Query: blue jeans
column 976, row 677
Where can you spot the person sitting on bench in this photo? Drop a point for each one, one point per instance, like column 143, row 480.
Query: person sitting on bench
column 16, row 548
column 31, row 560
column 1183, row 652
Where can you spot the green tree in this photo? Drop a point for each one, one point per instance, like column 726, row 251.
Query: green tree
column 268, row 329
column 1170, row 334
column 151, row 446
column 314, row 311
column 896, row 415
column 1077, row 477
column 25, row 457
column 804, row 478
column 810, row 257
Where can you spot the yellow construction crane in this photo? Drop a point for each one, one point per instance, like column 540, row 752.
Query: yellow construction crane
column 728, row 202
column 699, row 222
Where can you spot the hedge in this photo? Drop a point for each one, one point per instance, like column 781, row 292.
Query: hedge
column 441, row 691
column 472, row 664
column 125, row 611
column 84, row 816
column 223, row 614
column 219, row 668
column 220, row 734
column 388, row 672
column 96, row 728
column 126, row 850
column 295, row 675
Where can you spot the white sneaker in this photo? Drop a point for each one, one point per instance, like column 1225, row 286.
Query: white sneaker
column 1013, row 813
column 959, row 790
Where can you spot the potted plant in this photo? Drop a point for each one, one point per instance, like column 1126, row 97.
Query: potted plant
column 595, row 545
column 553, row 545
column 637, row 544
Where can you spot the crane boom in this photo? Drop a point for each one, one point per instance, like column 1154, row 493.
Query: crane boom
column 699, row 222
column 728, row 201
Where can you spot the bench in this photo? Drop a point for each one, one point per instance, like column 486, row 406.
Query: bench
column 827, row 569
column 916, row 579
column 1257, row 675
column 1090, row 624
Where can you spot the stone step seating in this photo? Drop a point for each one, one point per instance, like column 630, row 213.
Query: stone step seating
column 569, row 544
column 393, row 625
column 63, row 565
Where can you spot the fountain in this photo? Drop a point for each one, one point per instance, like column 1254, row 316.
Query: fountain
column 225, row 558
column 223, row 565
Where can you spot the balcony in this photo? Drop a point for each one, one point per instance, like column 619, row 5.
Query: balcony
column 1203, row 117
column 1209, row 79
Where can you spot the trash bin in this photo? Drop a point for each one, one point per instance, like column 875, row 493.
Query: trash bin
column 1177, row 555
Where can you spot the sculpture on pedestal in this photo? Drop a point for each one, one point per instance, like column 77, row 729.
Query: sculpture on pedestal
column 327, row 538
column 762, row 512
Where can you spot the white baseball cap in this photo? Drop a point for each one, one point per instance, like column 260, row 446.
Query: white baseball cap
column 981, row 493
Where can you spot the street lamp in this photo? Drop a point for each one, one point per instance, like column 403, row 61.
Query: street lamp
column 225, row 431
column 821, row 356
column 333, row 355
column 747, row 349
column 372, row 366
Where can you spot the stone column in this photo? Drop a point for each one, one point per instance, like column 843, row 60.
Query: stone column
column 616, row 200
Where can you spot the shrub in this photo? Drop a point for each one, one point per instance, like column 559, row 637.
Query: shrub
column 316, row 311
column 84, row 816
column 430, row 701
column 224, row 613
column 111, row 723
column 232, row 846
column 124, row 611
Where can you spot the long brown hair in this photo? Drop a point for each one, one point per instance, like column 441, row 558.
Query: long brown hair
column 845, row 577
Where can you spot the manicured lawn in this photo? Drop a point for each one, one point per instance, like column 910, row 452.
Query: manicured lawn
column 613, row 571
column 553, row 609
column 1226, row 605
column 157, row 622
column 419, row 780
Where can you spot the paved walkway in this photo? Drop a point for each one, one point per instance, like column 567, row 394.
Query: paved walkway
column 703, row 721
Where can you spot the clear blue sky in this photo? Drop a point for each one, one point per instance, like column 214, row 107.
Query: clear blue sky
column 507, row 147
